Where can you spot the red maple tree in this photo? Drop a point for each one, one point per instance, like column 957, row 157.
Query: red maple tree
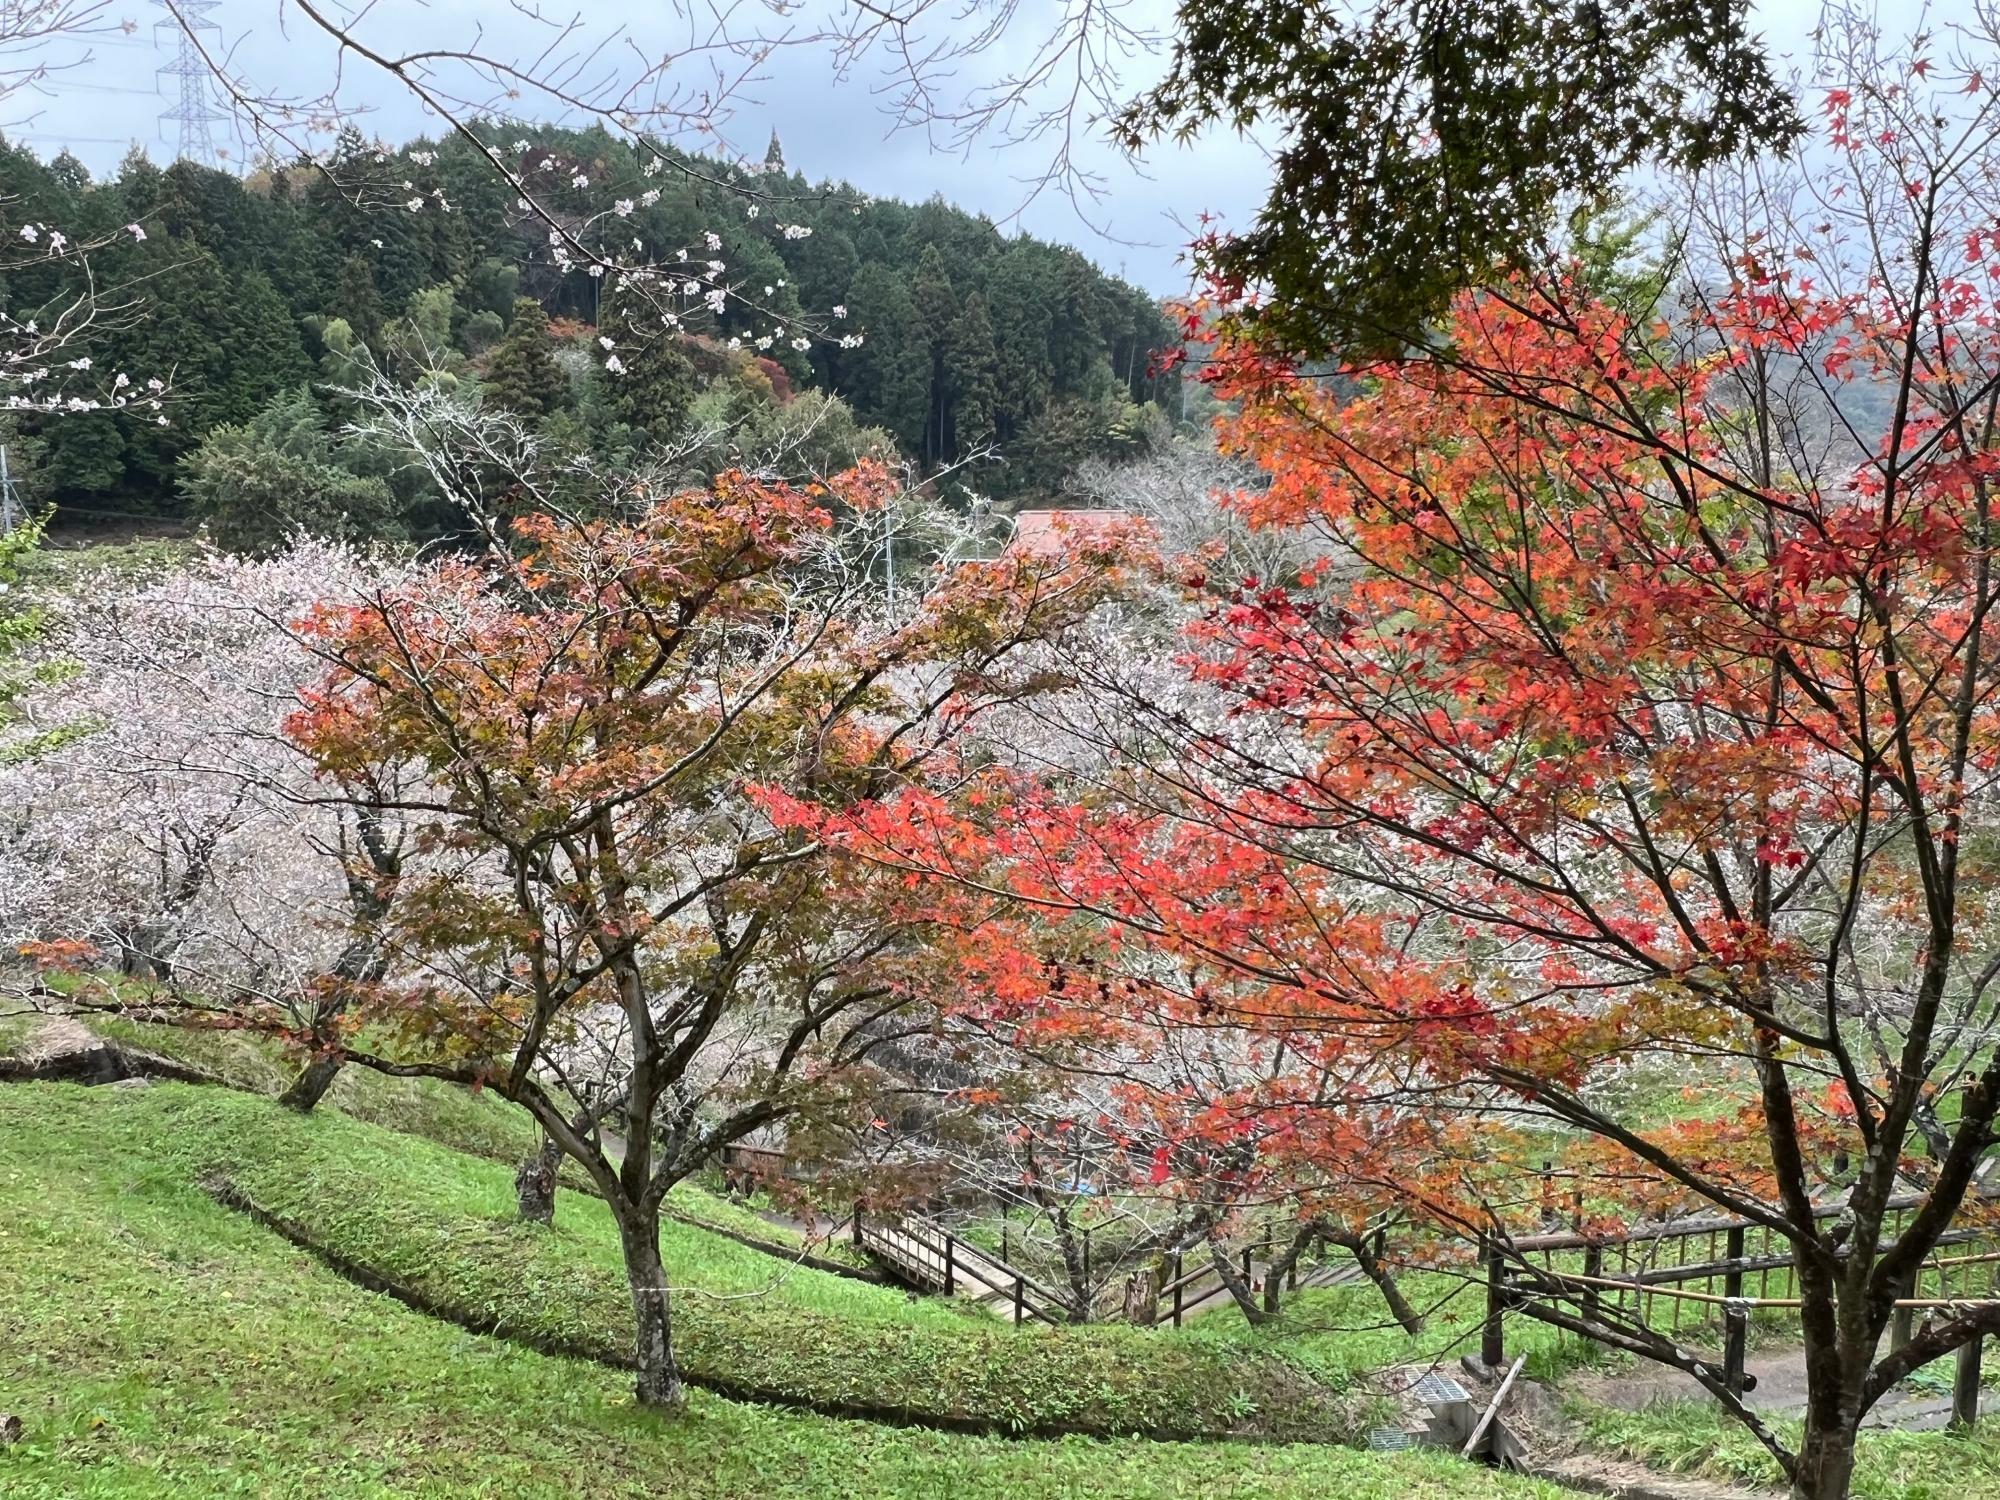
column 1643, row 707
column 608, row 927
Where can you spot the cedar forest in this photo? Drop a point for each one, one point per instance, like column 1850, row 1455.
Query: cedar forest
column 1015, row 359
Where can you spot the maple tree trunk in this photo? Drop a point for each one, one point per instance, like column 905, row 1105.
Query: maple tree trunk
column 535, row 1183
column 659, row 1378
column 1284, row 1265
column 1385, row 1283
column 1244, row 1294
column 314, row 1079
column 1826, row 1462
column 363, row 959
column 1837, row 1360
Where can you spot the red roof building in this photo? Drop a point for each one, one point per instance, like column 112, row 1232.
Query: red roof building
column 1051, row 533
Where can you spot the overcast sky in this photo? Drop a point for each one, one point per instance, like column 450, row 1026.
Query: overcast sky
column 829, row 127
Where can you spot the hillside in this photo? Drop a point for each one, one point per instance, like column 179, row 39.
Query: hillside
column 926, row 322
column 155, row 1343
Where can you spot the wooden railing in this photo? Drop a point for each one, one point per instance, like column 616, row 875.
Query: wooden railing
column 1188, row 1292
column 1632, row 1270
column 938, row 1260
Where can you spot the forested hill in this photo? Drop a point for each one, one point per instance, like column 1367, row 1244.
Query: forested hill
column 244, row 292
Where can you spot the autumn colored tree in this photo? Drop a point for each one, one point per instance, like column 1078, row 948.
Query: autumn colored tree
column 1103, row 947
column 599, row 719
column 1654, row 717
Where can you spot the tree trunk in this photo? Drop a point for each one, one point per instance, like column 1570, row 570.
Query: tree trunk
column 535, row 1183
column 311, row 1085
column 659, row 1378
column 1284, row 1265
column 1082, row 1294
column 1385, row 1282
column 1239, row 1289
column 1826, row 1462
column 1142, row 1298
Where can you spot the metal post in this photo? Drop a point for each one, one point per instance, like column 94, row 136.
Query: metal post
column 1018, row 1288
column 1086, row 1260
column 1177, row 1289
column 1492, row 1340
column 1735, row 1343
column 1965, row 1385
column 1735, row 1316
column 950, row 1266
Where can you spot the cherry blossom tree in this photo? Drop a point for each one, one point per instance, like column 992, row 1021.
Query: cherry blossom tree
column 156, row 813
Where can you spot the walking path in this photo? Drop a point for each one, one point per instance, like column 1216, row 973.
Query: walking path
column 1780, row 1390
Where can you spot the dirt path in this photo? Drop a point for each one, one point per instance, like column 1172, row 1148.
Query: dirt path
column 1780, row 1390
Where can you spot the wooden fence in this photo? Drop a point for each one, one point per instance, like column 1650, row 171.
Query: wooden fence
column 1633, row 1270
column 935, row 1259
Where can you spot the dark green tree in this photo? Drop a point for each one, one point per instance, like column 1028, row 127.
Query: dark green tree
column 653, row 382
column 936, row 308
column 1423, row 143
column 974, row 384
column 523, row 376
column 357, row 302
column 888, row 378
column 255, row 484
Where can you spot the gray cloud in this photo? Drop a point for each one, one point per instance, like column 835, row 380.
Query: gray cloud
column 831, row 127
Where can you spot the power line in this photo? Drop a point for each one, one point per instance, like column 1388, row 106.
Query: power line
column 195, row 111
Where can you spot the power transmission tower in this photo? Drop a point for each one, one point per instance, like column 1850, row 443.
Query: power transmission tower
column 12, row 512
column 195, row 111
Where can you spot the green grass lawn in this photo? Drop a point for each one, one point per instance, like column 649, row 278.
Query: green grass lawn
column 1696, row 1438
column 443, row 1225
column 479, row 1124
column 157, row 1345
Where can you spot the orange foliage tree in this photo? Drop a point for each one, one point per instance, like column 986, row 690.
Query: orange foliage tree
column 609, row 929
column 1643, row 707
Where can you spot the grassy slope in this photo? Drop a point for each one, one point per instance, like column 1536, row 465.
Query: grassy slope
column 1691, row 1438
column 481, row 1124
column 442, row 1224
column 155, row 1344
